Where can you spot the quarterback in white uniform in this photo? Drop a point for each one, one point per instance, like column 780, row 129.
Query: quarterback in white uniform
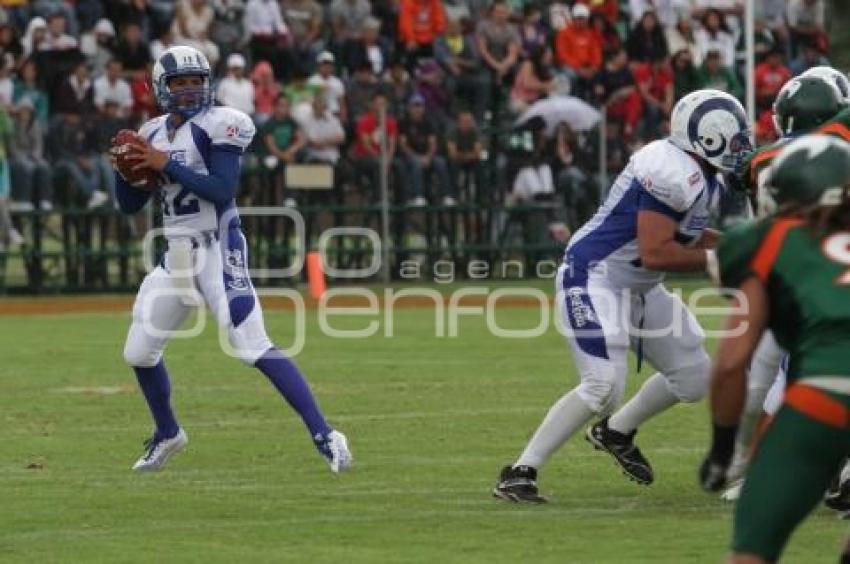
column 198, row 148
column 610, row 291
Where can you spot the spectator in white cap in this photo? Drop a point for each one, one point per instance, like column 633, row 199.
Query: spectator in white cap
column 578, row 50
column 235, row 90
column 330, row 86
column 97, row 45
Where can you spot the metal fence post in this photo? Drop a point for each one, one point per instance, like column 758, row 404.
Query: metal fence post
column 603, row 152
column 385, row 198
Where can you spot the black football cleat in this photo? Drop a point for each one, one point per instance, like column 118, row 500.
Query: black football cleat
column 518, row 485
column 837, row 497
column 623, row 450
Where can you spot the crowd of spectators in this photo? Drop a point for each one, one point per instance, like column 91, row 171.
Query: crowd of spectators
column 316, row 75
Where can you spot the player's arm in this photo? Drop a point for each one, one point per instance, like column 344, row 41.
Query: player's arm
column 219, row 186
column 708, row 239
column 744, row 328
column 130, row 199
column 657, row 244
column 728, row 387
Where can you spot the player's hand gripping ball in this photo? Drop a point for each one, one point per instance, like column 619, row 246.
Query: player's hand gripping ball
column 127, row 145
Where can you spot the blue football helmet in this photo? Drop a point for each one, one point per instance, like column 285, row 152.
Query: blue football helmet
column 182, row 61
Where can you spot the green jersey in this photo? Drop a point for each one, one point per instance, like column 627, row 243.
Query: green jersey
column 808, row 284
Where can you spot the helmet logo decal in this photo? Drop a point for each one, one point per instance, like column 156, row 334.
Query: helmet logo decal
column 793, row 86
column 713, row 143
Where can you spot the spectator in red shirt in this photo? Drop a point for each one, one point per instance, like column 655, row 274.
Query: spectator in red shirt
column 266, row 90
column 655, row 85
column 144, row 103
column 579, row 50
column 770, row 76
column 366, row 151
column 420, row 22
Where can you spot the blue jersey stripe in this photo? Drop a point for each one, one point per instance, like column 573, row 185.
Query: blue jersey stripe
column 202, row 142
column 617, row 229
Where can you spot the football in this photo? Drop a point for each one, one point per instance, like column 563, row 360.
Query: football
column 125, row 143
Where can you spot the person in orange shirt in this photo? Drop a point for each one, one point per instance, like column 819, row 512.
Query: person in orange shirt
column 420, row 22
column 578, row 50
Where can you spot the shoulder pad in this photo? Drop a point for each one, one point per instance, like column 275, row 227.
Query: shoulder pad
column 668, row 174
column 228, row 126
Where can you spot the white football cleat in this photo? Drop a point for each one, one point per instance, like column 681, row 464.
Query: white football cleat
column 159, row 451
column 335, row 450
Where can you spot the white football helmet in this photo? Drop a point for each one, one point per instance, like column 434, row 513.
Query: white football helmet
column 181, row 61
column 712, row 124
column 832, row 76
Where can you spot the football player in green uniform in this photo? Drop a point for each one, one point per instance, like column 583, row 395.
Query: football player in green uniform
column 803, row 104
column 792, row 273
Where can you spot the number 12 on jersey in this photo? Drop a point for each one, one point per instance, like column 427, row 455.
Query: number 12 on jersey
column 183, row 203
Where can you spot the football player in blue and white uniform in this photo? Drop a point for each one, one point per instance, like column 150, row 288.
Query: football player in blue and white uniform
column 198, row 148
column 654, row 220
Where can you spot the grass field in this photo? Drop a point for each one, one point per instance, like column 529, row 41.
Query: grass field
column 430, row 421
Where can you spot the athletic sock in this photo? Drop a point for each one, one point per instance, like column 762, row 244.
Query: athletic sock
column 284, row 375
column 569, row 414
column 156, row 387
column 653, row 397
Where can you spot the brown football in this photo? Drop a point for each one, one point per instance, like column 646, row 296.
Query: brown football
column 125, row 143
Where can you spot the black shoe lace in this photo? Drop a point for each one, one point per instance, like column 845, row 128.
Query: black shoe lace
column 150, row 445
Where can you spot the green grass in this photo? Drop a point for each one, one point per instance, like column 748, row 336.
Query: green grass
column 430, row 421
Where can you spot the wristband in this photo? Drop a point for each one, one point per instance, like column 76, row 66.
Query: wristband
column 723, row 443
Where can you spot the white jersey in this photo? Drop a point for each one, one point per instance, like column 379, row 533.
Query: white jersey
column 660, row 177
column 184, row 213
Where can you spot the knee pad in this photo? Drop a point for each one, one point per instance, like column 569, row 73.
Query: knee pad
column 140, row 355
column 602, row 393
column 689, row 383
column 247, row 343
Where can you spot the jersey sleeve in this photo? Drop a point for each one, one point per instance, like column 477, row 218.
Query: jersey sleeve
column 150, row 127
column 669, row 184
column 736, row 250
column 231, row 128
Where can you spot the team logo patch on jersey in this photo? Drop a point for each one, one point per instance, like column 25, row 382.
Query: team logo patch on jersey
column 231, row 131
column 235, row 268
column 582, row 314
column 693, row 179
column 178, row 155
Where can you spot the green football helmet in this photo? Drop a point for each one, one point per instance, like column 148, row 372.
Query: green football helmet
column 811, row 171
column 805, row 103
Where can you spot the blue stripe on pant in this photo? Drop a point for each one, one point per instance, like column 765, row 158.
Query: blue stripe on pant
column 237, row 283
column 580, row 312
